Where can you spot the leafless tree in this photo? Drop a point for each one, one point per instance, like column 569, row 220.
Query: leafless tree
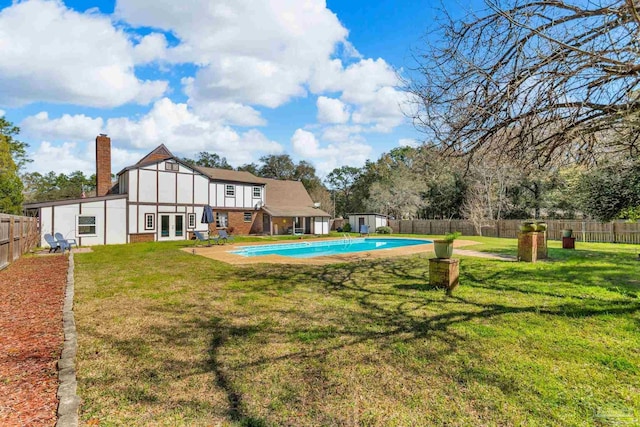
column 566, row 72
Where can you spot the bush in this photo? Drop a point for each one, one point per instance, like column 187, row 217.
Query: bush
column 346, row 228
column 383, row 230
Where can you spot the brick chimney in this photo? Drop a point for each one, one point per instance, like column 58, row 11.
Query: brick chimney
column 103, row 165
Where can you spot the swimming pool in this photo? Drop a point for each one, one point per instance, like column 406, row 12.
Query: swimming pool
column 327, row 247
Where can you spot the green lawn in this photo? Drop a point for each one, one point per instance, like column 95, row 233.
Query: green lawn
column 169, row 338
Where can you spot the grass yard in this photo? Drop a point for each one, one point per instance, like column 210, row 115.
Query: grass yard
column 167, row 338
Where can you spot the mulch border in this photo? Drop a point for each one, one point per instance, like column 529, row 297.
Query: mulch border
column 69, row 401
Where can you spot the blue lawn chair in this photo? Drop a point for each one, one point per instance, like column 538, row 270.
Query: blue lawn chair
column 59, row 237
column 54, row 244
column 200, row 238
column 223, row 235
column 364, row 230
column 51, row 241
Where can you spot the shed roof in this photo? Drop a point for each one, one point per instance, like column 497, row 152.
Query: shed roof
column 288, row 199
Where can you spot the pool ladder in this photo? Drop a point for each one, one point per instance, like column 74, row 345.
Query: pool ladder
column 347, row 239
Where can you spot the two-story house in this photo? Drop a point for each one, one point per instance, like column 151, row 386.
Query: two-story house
column 163, row 198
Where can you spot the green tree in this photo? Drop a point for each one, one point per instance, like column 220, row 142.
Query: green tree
column 277, row 166
column 18, row 149
column 251, row 168
column 341, row 182
column 13, row 156
column 10, row 184
column 609, row 191
column 52, row 186
column 209, row 160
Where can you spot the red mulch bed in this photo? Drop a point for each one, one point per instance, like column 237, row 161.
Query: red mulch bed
column 31, row 299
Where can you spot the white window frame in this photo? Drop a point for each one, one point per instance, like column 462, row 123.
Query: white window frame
column 222, row 219
column 230, row 190
column 147, row 217
column 250, row 217
column 94, row 225
column 191, row 221
column 259, row 195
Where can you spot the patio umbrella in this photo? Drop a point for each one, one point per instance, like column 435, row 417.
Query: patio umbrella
column 207, row 215
column 207, row 218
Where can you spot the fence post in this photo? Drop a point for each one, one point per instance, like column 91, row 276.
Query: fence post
column 10, row 257
column 613, row 232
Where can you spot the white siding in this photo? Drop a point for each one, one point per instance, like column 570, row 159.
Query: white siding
column 201, row 190
column 219, row 195
column 320, row 225
column 93, row 209
column 142, row 211
column 241, row 191
column 148, row 186
column 133, row 219
column 116, row 221
column 46, row 227
column 133, row 185
column 185, row 188
column 199, row 226
column 166, row 186
column 64, row 220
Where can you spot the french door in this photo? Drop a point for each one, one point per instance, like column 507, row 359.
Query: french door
column 171, row 226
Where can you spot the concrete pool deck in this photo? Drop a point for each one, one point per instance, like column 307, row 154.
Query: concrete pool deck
column 223, row 253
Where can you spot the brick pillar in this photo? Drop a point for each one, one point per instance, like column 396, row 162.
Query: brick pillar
column 528, row 246
column 568, row 243
column 542, row 245
column 444, row 273
column 103, row 165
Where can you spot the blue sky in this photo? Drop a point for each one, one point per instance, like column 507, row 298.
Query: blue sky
column 243, row 78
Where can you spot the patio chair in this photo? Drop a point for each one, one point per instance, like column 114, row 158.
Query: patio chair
column 51, row 241
column 223, row 235
column 364, row 230
column 60, row 237
column 200, row 238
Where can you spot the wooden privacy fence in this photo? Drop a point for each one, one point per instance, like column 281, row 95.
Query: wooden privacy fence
column 584, row 231
column 18, row 234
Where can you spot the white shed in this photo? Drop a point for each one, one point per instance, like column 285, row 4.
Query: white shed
column 373, row 220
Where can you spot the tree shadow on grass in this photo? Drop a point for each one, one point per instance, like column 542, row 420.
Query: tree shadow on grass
column 381, row 302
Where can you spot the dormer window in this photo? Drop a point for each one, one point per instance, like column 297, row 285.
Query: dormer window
column 171, row 166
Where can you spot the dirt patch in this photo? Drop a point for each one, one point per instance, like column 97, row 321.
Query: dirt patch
column 31, row 298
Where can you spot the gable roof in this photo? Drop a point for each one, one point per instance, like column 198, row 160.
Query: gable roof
column 230, row 175
column 158, row 154
column 289, row 198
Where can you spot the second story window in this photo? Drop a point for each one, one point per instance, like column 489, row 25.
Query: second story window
column 229, row 190
column 257, row 192
column 171, row 166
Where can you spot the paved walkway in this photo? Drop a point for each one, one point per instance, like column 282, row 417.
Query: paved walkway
column 487, row 255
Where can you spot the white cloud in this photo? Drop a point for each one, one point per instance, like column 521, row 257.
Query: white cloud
column 2, row 113
column 151, row 47
column 251, row 52
column 54, row 54
column 408, row 142
column 341, row 133
column 331, row 156
column 64, row 158
column 74, row 128
column 186, row 133
column 370, row 86
column 332, row 110
column 169, row 123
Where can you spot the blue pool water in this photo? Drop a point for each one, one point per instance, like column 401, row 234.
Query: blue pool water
column 328, row 247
